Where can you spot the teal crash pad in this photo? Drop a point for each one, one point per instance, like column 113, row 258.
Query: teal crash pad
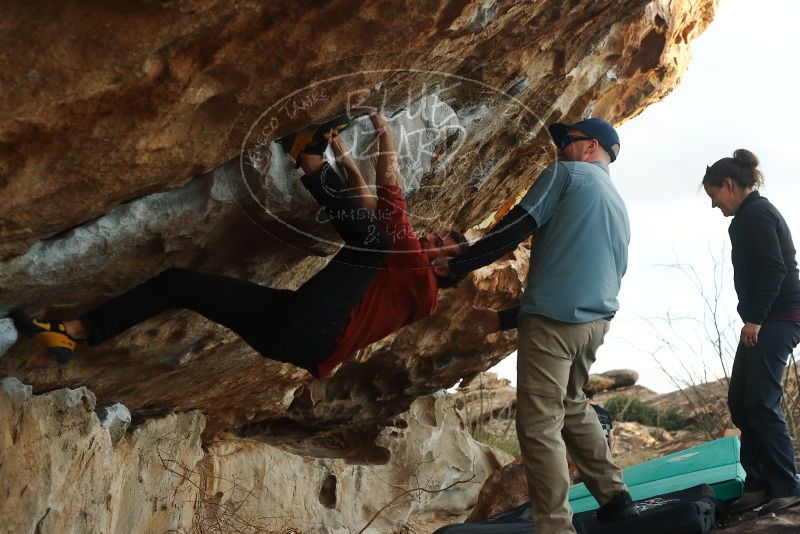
column 715, row 463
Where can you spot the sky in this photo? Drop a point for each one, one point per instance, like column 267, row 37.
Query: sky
column 740, row 91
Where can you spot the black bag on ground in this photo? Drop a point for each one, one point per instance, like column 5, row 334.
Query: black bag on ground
column 690, row 511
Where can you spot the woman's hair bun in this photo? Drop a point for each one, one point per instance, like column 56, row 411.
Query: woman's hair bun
column 745, row 158
column 742, row 168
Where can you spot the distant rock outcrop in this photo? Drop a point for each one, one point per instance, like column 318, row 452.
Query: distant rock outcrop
column 610, row 380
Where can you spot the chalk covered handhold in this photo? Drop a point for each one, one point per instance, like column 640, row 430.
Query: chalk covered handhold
column 8, row 335
column 115, row 418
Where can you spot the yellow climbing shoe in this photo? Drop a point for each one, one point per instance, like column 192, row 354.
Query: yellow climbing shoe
column 49, row 334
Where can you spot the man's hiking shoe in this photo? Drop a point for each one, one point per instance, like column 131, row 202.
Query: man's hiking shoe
column 314, row 140
column 49, row 334
column 777, row 504
column 748, row 501
column 619, row 508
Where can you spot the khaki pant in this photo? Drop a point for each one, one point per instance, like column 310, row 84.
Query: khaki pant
column 553, row 416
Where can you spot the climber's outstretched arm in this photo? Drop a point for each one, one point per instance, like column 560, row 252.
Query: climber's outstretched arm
column 387, row 170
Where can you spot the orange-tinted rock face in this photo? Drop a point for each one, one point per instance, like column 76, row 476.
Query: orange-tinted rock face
column 103, row 105
column 157, row 93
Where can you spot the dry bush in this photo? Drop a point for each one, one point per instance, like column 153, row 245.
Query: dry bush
column 715, row 329
column 211, row 515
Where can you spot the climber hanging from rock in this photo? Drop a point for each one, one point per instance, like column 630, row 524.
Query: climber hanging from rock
column 378, row 282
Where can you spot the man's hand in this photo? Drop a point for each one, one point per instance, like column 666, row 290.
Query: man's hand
column 483, row 321
column 750, row 334
column 441, row 266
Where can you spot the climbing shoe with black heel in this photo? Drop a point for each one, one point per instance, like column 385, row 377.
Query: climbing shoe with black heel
column 49, row 334
column 314, row 140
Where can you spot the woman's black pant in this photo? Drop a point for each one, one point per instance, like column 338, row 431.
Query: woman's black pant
column 754, row 398
column 299, row 327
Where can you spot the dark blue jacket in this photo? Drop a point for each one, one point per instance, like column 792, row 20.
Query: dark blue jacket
column 764, row 265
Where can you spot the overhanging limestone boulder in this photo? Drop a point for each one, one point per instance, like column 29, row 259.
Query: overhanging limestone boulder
column 172, row 89
column 134, row 137
column 146, row 138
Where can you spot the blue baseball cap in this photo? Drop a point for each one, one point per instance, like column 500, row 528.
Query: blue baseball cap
column 598, row 129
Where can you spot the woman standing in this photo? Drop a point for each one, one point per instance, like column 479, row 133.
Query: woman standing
column 768, row 287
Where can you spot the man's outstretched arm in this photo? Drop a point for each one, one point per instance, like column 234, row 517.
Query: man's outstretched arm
column 532, row 213
column 504, row 237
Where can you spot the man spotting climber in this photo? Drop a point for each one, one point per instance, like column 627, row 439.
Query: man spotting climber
column 378, row 282
column 578, row 256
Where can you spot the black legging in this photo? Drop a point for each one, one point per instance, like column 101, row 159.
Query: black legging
column 299, row 327
column 754, row 398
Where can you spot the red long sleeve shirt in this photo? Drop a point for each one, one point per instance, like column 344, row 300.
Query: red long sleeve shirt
column 404, row 289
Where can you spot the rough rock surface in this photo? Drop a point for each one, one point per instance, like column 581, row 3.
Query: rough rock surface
column 635, row 443
column 60, row 472
column 172, row 89
column 8, row 335
column 115, row 418
column 429, row 453
column 159, row 152
column 507, row 488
